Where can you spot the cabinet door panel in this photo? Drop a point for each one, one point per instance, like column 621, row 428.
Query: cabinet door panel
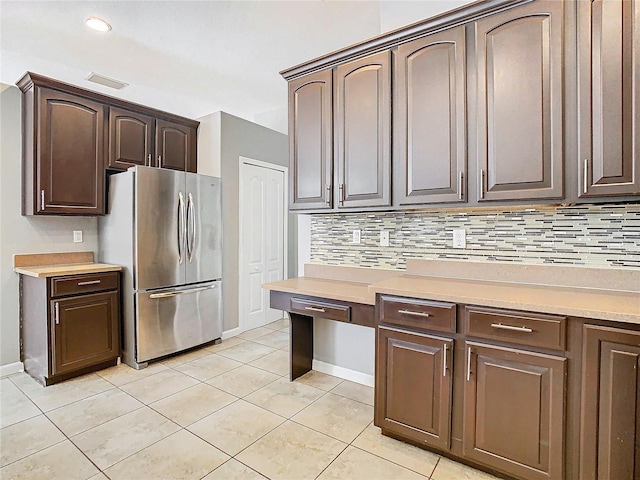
column 514, row 411
column 130, row 138
column 71, row 155
column 363, row 131
column 413, row 386
column 520, row 131
column 311, row 141
column 610, row 424
column 175, row 146
column 84, row 331
column 429, row 125
column 609, row 79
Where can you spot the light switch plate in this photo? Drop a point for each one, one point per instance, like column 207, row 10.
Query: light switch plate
column 459, row 238
column 77, row 236
column 356, row 236
column 384, row 238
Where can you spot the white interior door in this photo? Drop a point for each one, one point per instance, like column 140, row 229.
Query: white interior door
column 262, row 204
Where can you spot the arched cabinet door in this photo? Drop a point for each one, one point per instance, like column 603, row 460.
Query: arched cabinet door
column 429, row 124
column 175, row 146
column 363, row 132
column 520, row 103
column 609, row 97
column 130, row 139
column 311, row 141
column 70, row 162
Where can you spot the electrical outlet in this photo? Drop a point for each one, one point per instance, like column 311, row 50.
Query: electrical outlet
column 384, row 238
column 459, row 239
column 77, row 236
column 356, row 236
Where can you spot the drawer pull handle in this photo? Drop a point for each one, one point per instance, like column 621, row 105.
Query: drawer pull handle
column 91, row 282
column 415, row 314
column 163, row 295
column 511, row 328
column 315, row 309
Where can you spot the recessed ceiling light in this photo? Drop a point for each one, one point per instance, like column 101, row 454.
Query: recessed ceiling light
column 98, row 24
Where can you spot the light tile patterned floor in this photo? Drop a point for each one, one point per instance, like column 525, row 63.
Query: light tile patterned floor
column 221, row 412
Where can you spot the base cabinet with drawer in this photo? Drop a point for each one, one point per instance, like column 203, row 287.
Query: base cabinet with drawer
column 70, row 325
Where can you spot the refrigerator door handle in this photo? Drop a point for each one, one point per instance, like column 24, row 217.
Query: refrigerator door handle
column 180, row 227
column 191, row 227
column 196, row 290
column 164, row 294
column 180, row 292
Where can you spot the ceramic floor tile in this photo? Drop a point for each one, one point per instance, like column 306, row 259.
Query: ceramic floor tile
column 63, row 393
column 160, row 385
column 181, row 358
column 449, row 470
column 247, row 352
column 122, row 374
column 15, row 406
column 235, row 427
column 284, row 398
column 117, row 439
column 336, row 416
column 30, row 436
column 276, row 362
column 355, row 391
column 254, row 333
column 99, row 476
column 180, row 456
column 291, row 451
column 85, row 414
column 414, row 458
column 193, row 403
column 273, row 339
column 319, row 380
column 354, row 463
column 229, row 342
column 208, row 367
column 62, row 461
column 278, row 324
column 243, row 380
column 234, row 470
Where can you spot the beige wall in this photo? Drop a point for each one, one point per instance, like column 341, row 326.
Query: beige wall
column 20, row 234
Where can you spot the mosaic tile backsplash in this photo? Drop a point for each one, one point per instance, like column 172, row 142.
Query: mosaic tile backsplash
column 603, row 236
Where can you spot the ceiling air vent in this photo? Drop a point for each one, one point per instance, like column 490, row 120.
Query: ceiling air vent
column 106, row 81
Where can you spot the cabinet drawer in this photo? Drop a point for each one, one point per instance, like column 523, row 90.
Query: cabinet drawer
column 414, row 313
column 536, row 330
column 320, row 309
column 92, row 282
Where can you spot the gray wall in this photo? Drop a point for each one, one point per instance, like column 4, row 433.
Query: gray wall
column 233, row 138
column 20, row 234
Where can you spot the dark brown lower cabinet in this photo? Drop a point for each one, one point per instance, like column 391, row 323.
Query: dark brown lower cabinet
column 514, row 411
column 610, row 420
column 414, row 386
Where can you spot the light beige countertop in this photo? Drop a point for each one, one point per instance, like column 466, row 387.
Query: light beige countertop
column 598, row 293
column 42, row 265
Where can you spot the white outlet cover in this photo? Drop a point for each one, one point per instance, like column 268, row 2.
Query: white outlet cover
column 77, row 236
column 459, row 238
column 356, row 236
column 384, row 238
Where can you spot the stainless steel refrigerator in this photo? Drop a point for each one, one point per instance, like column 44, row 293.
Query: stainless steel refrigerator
column 165, row 228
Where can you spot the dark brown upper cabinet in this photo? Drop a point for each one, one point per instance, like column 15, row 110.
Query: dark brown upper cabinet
column 175, row 146
column 514, row 411
column 63, row 154
column 519, row 58
column 609, row 97
column 311, row 141
column 130, row 138
column 363, row 131
column 610, row 418
column 429, row 124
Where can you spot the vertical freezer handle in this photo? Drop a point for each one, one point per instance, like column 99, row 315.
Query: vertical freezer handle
column 180, row 227
column 191, row 227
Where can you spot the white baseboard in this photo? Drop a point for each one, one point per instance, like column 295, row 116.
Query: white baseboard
column 231, row 333
column 11, row 368
column 341, row 372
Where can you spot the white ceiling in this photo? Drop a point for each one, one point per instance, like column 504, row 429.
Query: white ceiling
column 192, row 57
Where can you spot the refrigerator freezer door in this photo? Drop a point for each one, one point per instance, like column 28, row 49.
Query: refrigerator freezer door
column 204, row 228
column 172, row 320
column 160, row 231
